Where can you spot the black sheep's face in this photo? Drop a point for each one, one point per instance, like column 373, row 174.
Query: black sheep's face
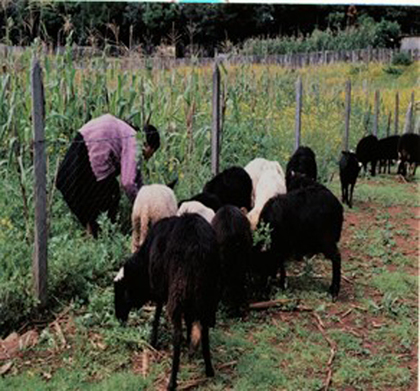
column 129, row 293
column 121, row 297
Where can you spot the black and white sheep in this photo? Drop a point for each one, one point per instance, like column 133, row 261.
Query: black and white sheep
column 270, row 184
column 207, row 199
column 408, row 152
column 232, row 186
column 177, row 265
column 303, row 161
column 349, row 171
column 303, row 222
column 233, row 234
column 257, row 167
column 367, row 152
column 387, row 152
column 152, row 203
column 196, row 207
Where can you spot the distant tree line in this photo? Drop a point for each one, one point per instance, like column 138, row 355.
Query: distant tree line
column 191, row 28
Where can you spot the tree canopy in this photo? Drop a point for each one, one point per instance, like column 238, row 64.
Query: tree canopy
column 203, row 26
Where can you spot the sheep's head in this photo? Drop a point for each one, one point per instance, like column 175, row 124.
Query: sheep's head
column 253, row 218
column 131, row 287
column 121, row 297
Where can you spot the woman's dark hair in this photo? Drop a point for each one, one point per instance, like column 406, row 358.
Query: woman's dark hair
column 152, row 136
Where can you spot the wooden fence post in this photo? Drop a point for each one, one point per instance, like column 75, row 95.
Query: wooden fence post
column 413, row 112
column 39, row 265
column 376, row 114
column 396, row 116
column 215, row 139
column 388, row 126
column 347, row 116
column 408, row 116
column 298, row 114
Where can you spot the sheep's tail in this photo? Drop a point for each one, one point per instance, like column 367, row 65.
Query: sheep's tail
column 136, row 236
column 195, row 334
column 144, row 227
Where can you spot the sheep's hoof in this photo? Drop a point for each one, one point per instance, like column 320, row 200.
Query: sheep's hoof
column 153, row 342
column 210, row 372
column 334, row 293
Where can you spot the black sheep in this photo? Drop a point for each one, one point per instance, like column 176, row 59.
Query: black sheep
column 306, row 221
column 387, row 152
column 349, row 170
column 233, row 186
column 303, row 161
column 367, row 152
column 408, row 152
column 233, row 232
column 207, row 199
column 179, row 265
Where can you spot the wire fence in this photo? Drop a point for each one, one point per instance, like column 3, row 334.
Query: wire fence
column 132, row 59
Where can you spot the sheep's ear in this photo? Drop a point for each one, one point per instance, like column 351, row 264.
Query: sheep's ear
column 120, row 275
column 360, row 164
column 244, row 210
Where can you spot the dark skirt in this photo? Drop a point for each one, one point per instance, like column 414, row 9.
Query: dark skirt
column 85, row 196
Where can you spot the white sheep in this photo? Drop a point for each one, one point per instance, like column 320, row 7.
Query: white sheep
column 255, row 168
column 196, row 207
column 153, row 203
column 270, row 184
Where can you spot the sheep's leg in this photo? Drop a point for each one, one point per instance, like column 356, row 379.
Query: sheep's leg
column 373, row 163
column 188, row 323
column 343, row 193
column 350, row 201
column 346, row 193
column 158, row 312
column 206, row 350
column 177, row 337
column 92, row 228
column 335, row 257
column 282, row 275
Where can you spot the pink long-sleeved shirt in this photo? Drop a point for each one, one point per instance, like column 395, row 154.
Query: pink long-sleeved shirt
column 112, row 145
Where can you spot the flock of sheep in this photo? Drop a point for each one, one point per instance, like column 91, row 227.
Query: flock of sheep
column 403, row 149
column 192, row 255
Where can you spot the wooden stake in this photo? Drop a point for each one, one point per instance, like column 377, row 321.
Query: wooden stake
column 39, row 266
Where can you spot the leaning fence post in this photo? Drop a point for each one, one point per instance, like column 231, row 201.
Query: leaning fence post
column 347, row 116
column 396, row 116
column 298, row 114
column 39, row 265
column 376, row 114
column 215, row 139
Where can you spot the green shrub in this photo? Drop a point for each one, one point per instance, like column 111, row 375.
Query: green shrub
column 393, row 70
column 369, row 33
column 402, row 58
